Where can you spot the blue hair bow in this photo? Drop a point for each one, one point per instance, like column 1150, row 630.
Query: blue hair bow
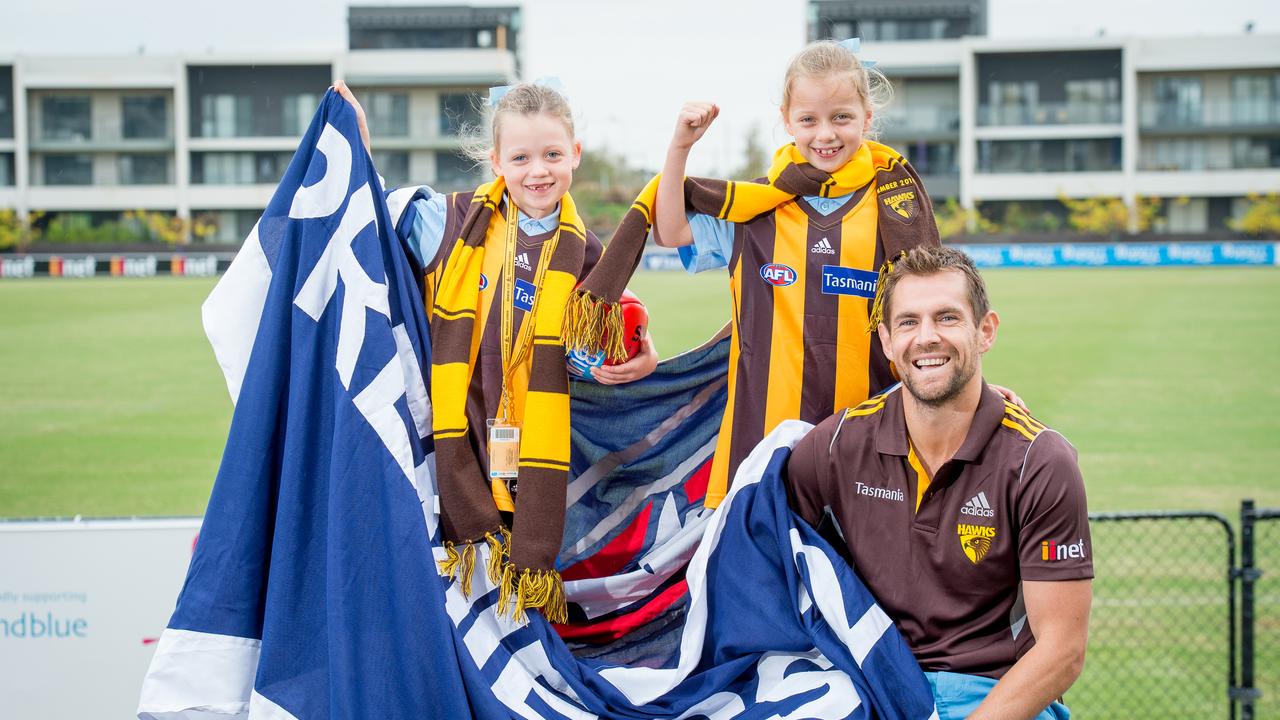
column 854, row 45
column 549, row 81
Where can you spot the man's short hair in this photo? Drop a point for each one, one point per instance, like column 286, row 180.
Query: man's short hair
column 928, row 260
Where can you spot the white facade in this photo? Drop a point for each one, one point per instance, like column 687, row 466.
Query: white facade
column 1193, row 117
column 221, row 166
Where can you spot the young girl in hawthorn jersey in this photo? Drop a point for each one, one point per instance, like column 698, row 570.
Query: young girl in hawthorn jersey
column 499, row 264
column 803, row 262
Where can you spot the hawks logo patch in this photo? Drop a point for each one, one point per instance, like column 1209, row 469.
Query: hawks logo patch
column 902, row 203
column 975, row 540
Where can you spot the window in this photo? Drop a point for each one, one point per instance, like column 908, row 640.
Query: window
column 1036, row 156
column 454, row 172
column 458, row 111
column 65, row 117
column 1093, row 101
column 1255, row 99
column 223, row 115
column 393, row 166
column 388, row 114
column 144, row 169
column 1178, row 101
column 1177, row 154
column 1255, row 152
column 6, row 169
column 222, row 168
column 230, row 227
column 218, row 168
column 68, row 170
column 297, row 112
column 144, row 117
column 1012, row 103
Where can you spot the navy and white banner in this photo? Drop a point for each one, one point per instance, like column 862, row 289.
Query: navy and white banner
column 313, row 591
column 1136, row 254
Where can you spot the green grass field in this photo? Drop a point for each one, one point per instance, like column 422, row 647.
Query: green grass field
column 1166, row 381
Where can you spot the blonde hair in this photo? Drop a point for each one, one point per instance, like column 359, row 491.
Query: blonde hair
column 825, row 58
column 522, row 99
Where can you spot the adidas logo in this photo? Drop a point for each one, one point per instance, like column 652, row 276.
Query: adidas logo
column 822, row 247
column 979, row 506
column 522, row 261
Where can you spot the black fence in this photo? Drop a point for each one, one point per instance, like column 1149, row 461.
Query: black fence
column 1182, row 626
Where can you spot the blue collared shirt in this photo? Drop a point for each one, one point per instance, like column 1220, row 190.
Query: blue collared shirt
column 429, row 218
column 713, row 238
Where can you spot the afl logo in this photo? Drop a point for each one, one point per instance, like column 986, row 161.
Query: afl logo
column 777, row 275
column 484, row 281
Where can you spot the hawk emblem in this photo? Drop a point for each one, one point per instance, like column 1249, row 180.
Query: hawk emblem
column 975, row 540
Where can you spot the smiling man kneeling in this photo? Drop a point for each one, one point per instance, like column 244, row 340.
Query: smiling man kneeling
column 964, row 515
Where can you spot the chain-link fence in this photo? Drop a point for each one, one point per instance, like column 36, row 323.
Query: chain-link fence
column 1260, row 611
column 1161, row 635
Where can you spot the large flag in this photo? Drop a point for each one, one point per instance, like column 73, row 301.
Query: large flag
column 313, row 592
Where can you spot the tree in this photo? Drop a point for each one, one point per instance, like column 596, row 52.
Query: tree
column 1261, row 218
column 1109, row 215
column 954, row 219
column 755, row 158
column 16, row 232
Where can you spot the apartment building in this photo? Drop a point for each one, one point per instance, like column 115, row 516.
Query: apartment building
column 1187, row 125
column 85, row 139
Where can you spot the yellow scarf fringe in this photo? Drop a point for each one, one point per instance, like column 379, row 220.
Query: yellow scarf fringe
column 458, row 565
column 542, row 590
column 593, row 323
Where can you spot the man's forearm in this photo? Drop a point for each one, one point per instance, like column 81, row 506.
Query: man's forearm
column 1037, row 679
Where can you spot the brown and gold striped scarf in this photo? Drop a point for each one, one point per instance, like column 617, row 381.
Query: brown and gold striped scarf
column 590, row 325
column 522, row 560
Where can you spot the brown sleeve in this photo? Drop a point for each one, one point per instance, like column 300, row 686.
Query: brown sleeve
column 594, row 250
column 1053, row 517
column 806, row 476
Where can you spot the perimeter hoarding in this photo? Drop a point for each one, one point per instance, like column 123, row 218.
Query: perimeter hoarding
column 82, row 604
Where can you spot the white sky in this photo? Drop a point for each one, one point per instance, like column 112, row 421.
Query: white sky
column 627, row 66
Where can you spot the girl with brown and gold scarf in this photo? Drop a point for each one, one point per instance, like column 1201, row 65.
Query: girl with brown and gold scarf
column 500, row 263
column 803, row 248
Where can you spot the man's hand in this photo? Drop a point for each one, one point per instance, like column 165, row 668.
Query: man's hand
column 341, row 88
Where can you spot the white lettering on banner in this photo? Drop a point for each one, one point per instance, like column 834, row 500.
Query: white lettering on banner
column 206, row 266
column 23, row 267
column 376, row 402
column 80, row 267
column 138, row 266
column 325, row 197
column 775, row 685
column 1140, row 254
column 984, row 255
column 1032, row 255
column 1250, row 253
column 361, row 292
column 1085, row 254
column 1197, row 254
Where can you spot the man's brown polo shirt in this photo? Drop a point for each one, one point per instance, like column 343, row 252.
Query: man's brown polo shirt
column 1010, row 506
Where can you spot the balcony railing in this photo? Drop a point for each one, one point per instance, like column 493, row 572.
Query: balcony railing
column 922, row 119
column 1237, row 113
column 1214, row 164
column 1076, row 113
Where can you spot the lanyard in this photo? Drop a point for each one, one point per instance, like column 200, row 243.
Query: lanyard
column 512, row 357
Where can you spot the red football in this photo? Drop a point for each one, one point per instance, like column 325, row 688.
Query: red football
column 635, row 319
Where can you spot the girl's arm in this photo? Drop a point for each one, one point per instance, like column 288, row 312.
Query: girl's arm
column 341, row 88
column 671, row 227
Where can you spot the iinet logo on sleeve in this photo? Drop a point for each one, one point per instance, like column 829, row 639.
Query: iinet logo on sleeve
column 1052, row 550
